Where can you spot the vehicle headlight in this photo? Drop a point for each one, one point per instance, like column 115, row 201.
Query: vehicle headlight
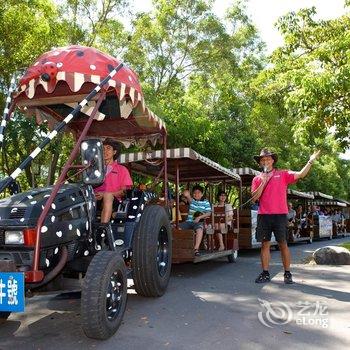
column 14, row 237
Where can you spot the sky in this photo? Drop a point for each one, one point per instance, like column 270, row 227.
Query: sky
column 265, row 13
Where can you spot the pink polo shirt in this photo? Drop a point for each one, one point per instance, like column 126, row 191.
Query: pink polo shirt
column 117, row 178
column 274, row 197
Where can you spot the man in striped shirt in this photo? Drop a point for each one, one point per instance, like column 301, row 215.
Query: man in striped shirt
column 199, row 209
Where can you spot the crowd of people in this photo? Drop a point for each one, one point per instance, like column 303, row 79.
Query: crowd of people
column 301, row 217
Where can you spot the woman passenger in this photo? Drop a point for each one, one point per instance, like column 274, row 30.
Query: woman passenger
column 227, row 222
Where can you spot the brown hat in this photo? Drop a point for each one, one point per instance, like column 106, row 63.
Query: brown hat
column 266, row 153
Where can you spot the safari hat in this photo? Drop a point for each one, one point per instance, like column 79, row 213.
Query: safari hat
column 266, row 153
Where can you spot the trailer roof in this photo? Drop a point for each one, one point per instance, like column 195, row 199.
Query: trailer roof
column 192, row 165
column 297, row 194
column 246, row 174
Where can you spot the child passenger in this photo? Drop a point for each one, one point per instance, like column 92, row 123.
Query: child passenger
column 199, row 209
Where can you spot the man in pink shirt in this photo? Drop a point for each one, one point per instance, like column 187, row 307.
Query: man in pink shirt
column 117, row 179
column 270, row 188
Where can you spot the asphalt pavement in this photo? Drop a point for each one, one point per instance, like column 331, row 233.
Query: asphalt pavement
column 211, row 305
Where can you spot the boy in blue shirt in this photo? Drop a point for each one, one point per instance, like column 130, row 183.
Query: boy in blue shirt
column 199, row 209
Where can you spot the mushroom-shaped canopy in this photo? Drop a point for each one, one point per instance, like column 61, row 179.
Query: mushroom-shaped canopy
column 61, row 78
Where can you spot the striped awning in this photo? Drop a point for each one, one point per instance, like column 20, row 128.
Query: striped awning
column 246, row 174
column 298, row 194
column 192, row 165
column 245, row 171
column 320, row 195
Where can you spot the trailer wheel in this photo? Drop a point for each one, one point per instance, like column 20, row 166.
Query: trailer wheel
column 104, row 295
column 232, row 258
column 4, row 316
column 152, row 251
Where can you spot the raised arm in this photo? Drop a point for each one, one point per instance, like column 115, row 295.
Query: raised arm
column 304, row 171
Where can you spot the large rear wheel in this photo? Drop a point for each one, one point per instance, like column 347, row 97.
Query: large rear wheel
column 152, row 252
column 104, row 295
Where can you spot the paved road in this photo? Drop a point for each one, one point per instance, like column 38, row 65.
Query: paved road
column 209, row 305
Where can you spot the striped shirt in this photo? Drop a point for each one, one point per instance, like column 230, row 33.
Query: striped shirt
column 198, row 206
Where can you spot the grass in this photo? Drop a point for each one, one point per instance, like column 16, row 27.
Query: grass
column 346, row 245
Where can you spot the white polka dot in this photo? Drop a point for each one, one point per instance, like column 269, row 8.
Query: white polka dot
column 145, row 198
column 84, row 146
column 103, row 235
column 92, row 67
column 90, row 239
column 30, row 197
column 138, row 215
column 85, row 162
column 47, row 261
column 56, row 250
column 134, row 198
column 98, row 247
column 142, row 206
column 98, row 144
column 46, row 196
column 19, row 220
column 97, row 173
column 119, row 242
column 87, row 179
column 134, row 207
column 73, row 199
column 53, row 206
column 86, row 253
column 59, row 234
column 70, row 226
column 43, row 229
column 90, row 205
column 59, row 64
column 33, row 202
column 87, row 225
column 131, row 217
column 53, row 218
column 78, row 232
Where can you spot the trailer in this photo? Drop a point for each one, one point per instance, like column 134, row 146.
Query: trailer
column 187, row 167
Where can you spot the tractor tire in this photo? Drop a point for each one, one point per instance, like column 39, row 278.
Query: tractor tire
column 232, row 258
column 152, row 252
column 4, row 316
column 104, row 295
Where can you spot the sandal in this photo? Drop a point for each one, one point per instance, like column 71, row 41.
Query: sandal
column 196, row 252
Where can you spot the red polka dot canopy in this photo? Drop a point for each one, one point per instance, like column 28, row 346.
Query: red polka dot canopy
column 77, row 65
column 66, row 75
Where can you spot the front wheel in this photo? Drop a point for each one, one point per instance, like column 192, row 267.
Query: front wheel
column 4, row 316
column 151, row 252
column 104, row 295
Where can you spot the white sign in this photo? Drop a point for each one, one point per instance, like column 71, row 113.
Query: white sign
column 325, row 226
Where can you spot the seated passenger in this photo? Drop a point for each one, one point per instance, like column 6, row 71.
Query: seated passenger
column 222, row 202
column 117, row 179
column 199, row 209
